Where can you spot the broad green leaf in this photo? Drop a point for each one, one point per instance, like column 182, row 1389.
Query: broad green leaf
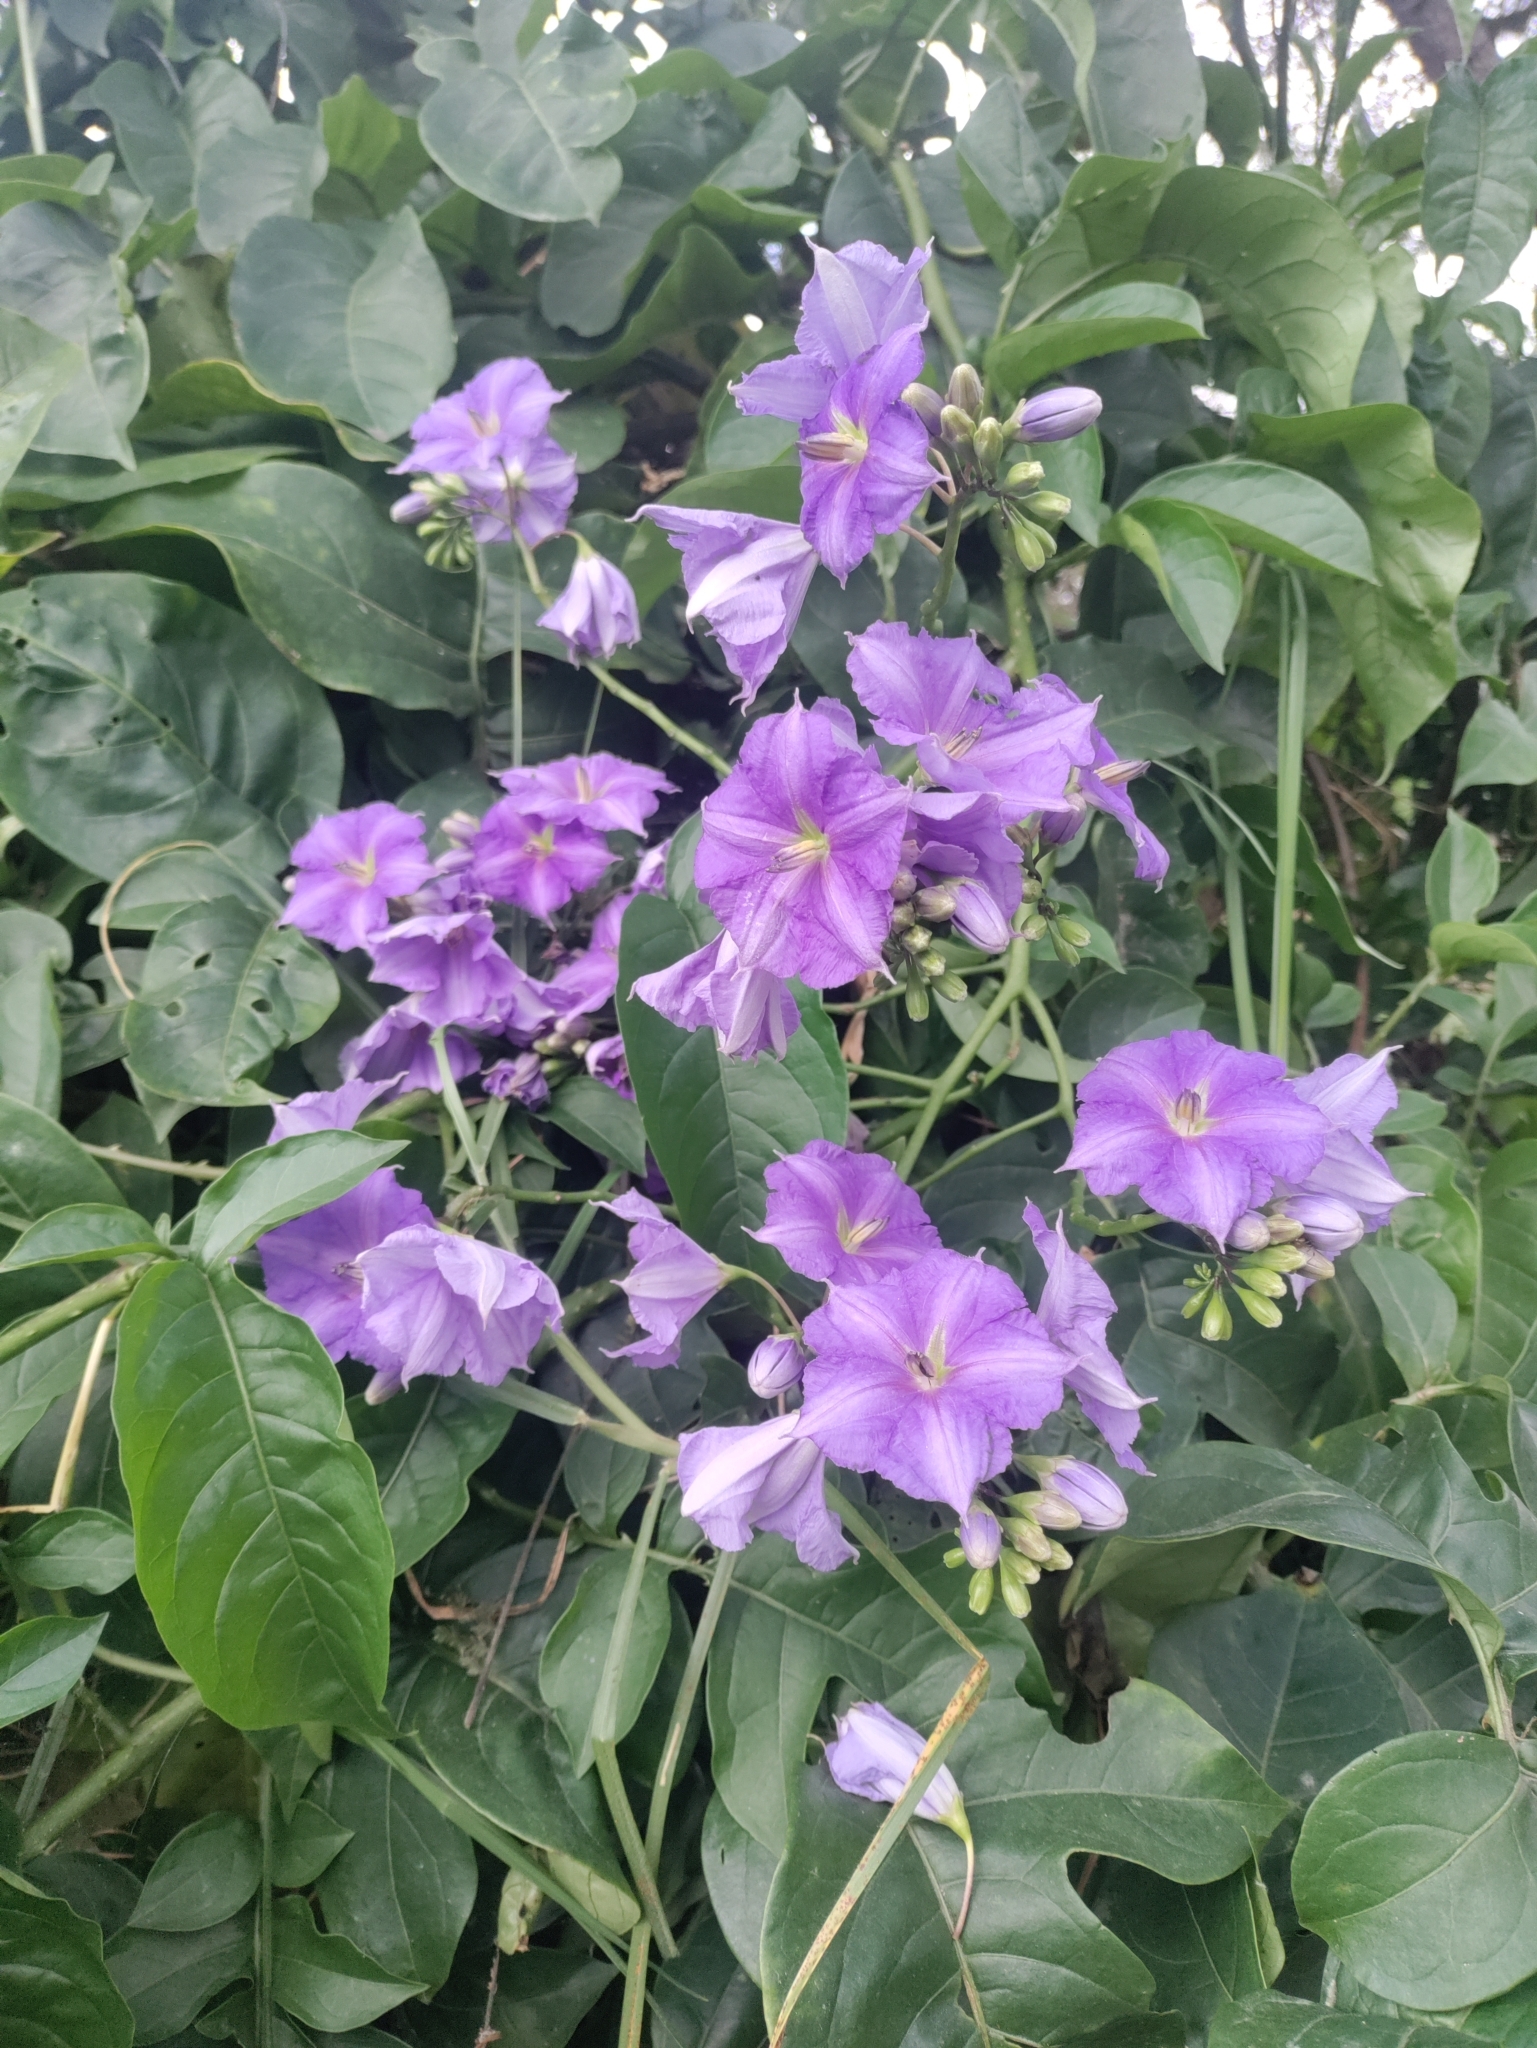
column 1283, row 262
column 525, row 131
column 1279, row 511
column 1287, row 1678
column 84, row 1547
column 1116, row 1009
column 279, row 1182
column 1480, row 178
column 54, row 1988
column 1106, row 211
column 1418, row 1311
column 42, row 177
column 1270, row 2020
column 1503, row 1342
column 605, row 1121
column 246, row 165
column 1193, row 564
column 548, row 1992
column 167, row 1979
column 1140, row 88
column 155, row 147
column 1468, row 945
column 572, row 1664
column 1497, row 746
column 375, row 155
column 703, row 1994
column 138, row 712
column 201, row 1876
column 40, row 1660
column 82, row 1231
column 738, row 1871
column 1009, row 182
column 1462, row 874
column 402, row 1888
column 324, row 1979
column 1125, row 316
column 33, row 950
column 58, row 271
column 424, row 1444
column 1236, row 113
column 35, row 368
column 44, row 482
column 34, row 1379
column 1161, row 1789
column 353, row 317
column 306, row 1842
column 1413, row 1863
column 262, row 1551
column 1205, row 1944
column 326, row 576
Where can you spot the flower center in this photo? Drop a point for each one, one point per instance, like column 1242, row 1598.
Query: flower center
column 584, row 788
column 540, row 845
column 928, row 1367
column 844, row 441
column 485, row 423
column 362, row 870
column 1187, row 1114
column 811, row 846
column 961, row 743
column 855, row 1236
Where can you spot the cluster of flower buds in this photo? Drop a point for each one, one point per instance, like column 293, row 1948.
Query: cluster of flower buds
column 986, row 454
column 1038, row 917
column 437, row 506
column 909, row 950
column 1258, row 1279
column 1008, row 1553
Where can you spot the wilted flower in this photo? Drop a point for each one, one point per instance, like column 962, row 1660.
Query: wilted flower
column 956, row 843
column 604, row 1059
column 874, row 1756
column 518, row 1080
column 349, row 866
column 1058, row 415
column 776, row 1366
column 312, row 1265
column 599, row 791
column 864, row 456
column 1203, row 1129
column 455, row 970
column 668, row 1284
column 397, row 1049
column 765, row 1476
column 746, row 576
column 596, row 612
column 1075, row 1494
column 858, row 297
column 843, row 1216
column 751, row 1010
column 522, row 858
column 1075, row 1310
column 437, row 1303
column 490, row 420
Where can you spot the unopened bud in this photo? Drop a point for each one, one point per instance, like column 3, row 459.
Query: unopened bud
column 1075, row 933
column 1030, row 890
column 927, row 404
column 965, row 389
column 955, row 425
column 516, row 1912
column 988, row 441
column 980, row 1537
column 1315, row 1266
column 1261, row 1280
column 1284, row 1229
column 1062, row 945
column 1024, row 476
column 951, row 987
column 903, row 917
column 1060, row 1560
column 1280, row 1258
column 933, row 965
column 775, row 1366
column 917, row 939
column 1058, row 415
column 1026, row 1535
column 1028, row 545
column 1016, row 1575
column 1033, row 927
column 1048, row 504
column 1217, row 1322
column 1263, row 1312
column 916, row 996
column 936, row 903
column 979, row 1592
column 1250, row 1233
column 904, row 885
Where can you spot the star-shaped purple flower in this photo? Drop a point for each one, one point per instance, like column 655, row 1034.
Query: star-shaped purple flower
column 751, row 1010
column 1203, row 1129
column 520, row 857
column 858, row 297
column 843, row 1216
column 437, row 1303
column 766, row 1476
column 491, row 419
column 1101, row 786
column 800, row 846
column 1075, row 1310
column 747, row 577
column 349, row 866
column 326, row 1109
column 600, row 791
column 923, row 1377
column 865, row 456
column 530, row 492
column 312, row 1265
column 668, row 1284
column 452, row 965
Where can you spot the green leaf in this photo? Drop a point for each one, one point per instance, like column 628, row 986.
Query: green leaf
column 281, row 1181
column 40, row 1660
column 137, row 712
column 1497, row 746
column 1273, row 2021
column 1462, row 874
column 33, row 949
column 1194, row 567
column 524, row 132
column 1412, row 1864
column 548, row 1992
column 34, row 1379
column 603, row 1120
column 54, row 1988
column 1142, row 87
column 1103, row 221
column 1279, row 511
column 327, row 578
column 201, row 1876
column 324, row 1979
column 246, row 165
column 262, row 1551
column 1206, row 1944
column 1418, row 1311
column 60, row 273
column 1116, row 1009
column 1236, row 113
column 1283, row 262
column 1480, row 179
column 1125, row 316
column 424, row 1444
column 305, row 1843
column 353, row 317
column 153, row 144
column 224, row 987
column 44, row 483
column 1161, row 1789
column 1009, row 181
column 41, row 177
column 713, row 1123
column 402, row 1888
column 574, row 1655
column 1468, row 945
column 35, row 368
column 83, row 1231
column 738, row 1871
column 375, row 154
column 84, row 1547
column 1503, row 1341
column 167, row 1979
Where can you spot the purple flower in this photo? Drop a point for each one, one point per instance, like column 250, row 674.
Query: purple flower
column 800, row 846
column 581, row 985
column 875, row 1755
column 349, row 866
column 1354, row 1095
column 1101, row 787
column 971, row 728
column 326, row 1109
column 650, row 872
column 669, row 1283
column 1058, row 415
column 604, row 1059
column 765, row 1476
column 599, row 791
column 437, row 1303
column 859, row 297
column 490, row 420
column 451, row 963
column 956, row 843
column 530, row 492
column 1203, row 1129
column 751, row 1010
column 1075, row 1494
column 746, row 576
column 922, row 1377
column 520, row 858
column 865, row 456
column 843, row 1216
column 520, row 1080
column 1330, row 1224
column 595, row 613
column 312, row 1265
column 776, row 1366
column 1075, row 1310
column 981, row 1538
column 397, row 1049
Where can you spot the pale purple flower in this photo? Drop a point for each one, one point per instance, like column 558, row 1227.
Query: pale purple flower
column 668, row 1284
column 858, row 297
column 455, row 970
column 489, row 420
column 923, row 1377
column 971, row 729
column 1075, row 1310
column 747, row 577
column 1330, row 1224
column 776, row 1366
column 349, row 866
column 1058, row 415
column 520, row 858
column 604, row 1059
column 582, row 984
column 437, row 1303
column 980, row 1537
column 1090, row 1496
column 397, row 1049
column 1203, row 1129
column 1351, row 1190
column 751, row 1010
column 956, row 843
column 1101, row 786
column 530, row 492
column 595, row 613
column 800, row 846
column 864, row 456
column 531, row 1009
column 326, row 1109
column 600, row 791
column 764, row 1476
column 312, row 1265
column 843, row 1216
column 519, row 1080
column 874, row 1756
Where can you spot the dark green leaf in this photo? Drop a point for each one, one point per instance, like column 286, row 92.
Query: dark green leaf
column 201, row 1876
column 424, row 1444
column 605, row 1121
column 1009, row 181
column 35, row 368
column 545, row 1993
column 375, row 154
column 703, row 1998
column 279, row 1182
column 84, row 1547
column 1462, row 874
column 304, row 1843
column 167, row 1979
column 54, row 1989
column 1279, row 511
column 40, row 1660
column 84, row 1231
column 323, row 1979
column 1206, row 1944
column 1496, row 746
column 1480, row 180
column 1124, row 316
column 1272, row 2021
column 572, row 1664
column 1193, row 565
column 1116, row 1009
column 34, row 1379
column 738, row 1871
column 1418, row 1311
column 1141, row 85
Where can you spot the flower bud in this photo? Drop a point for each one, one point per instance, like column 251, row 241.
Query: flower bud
column 1283, row 1229
column 927, row 404
column 903, row 917
column 1263, row 1312
column 1048, row 504
column 1279, row 1258
column 917, row 939
column 775, row 1366
column 1016, row 1575
column 916, row 996
column 1024, row 476
column 933, row 965
column 1060, row 1560
column 1076, row 934
column 1099, row 1501
column 935, row 904
column 1027, row 1537
column 979, row 1593
column 1250, row 1233
column 951, row 987
column 1315, row 1266
column 1028, row 545
column 988, row 441
column 965, row 389
column 1261, row 1279
column 980, row 1537
column 1061, row 945
column 956, row 426
column 1033, row 927
column 1217, row 1323
column 1058, row 415
column 904, row 885
column 873, row 1757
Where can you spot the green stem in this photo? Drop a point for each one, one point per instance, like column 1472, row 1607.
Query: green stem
column 454, row 1103
column 1020, row 660
column 1015, row 983
column 578, row 1228
column 919, row 227
column 1291, row 732
column 1378, row 1037
column 884, row 1556
column 1238, row 944
column 46, row 1755
column 183, row 1169
column 37, row 133
column 632, row 2017
column 168, row 1674
column 1066, row 1106
column 658, row 718
column 683, row 1705
column 150, row 1738
column 31, row 1329
column 746, row 1273
column 599, row 1387
column 516, row 740
column 978, row 1146
column 928, row 618
column 262, row 1988
column 478, row 633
